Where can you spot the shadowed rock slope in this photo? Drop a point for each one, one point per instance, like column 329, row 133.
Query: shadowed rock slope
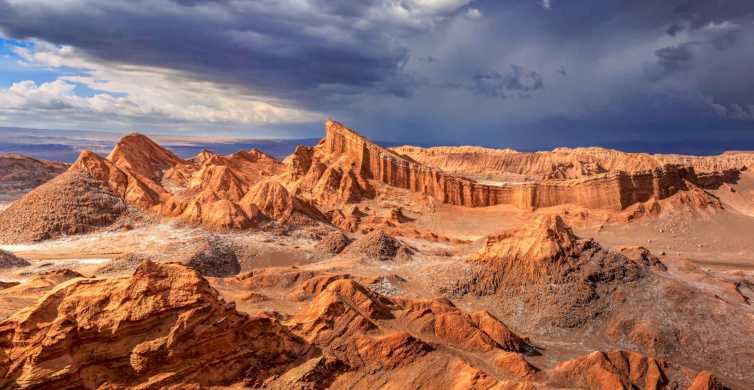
column 72, row 203
column 9, row 260
column 546, row 280
column 19, row 173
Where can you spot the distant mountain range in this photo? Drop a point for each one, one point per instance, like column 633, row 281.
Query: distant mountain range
column 66, row 145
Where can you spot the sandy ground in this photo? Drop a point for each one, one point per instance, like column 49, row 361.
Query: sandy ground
column 161, row 242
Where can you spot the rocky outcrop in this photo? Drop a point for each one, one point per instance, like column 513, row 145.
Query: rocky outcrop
column 616, row 370
column 23, row 295
column 532, row 252
column 731, row 161
column 9, row 260
column 212, row 257
column 561, row 280
column 628, row 370
column 207, row 190
column 642, row 256
column 562, row 163
column 705, row 380
column 20, row 174
column 330, row 177
column 72, row 203
column 344, row 312
column 138, row 155
column 379, row 245
column 164, row 326
column 273, row 200
column 613, row 191
column 344, row 307
column 548, row 250
column 334, row 242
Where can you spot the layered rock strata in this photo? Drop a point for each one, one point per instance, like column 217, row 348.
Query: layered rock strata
column 613, row 191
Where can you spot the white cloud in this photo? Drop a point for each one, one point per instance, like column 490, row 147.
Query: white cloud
column 473, row 13
column 414, row 13
column 137, row 92
column 546, row 4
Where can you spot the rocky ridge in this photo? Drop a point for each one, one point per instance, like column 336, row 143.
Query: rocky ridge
column 19, row 174
column 311, row 187
column 359, row 160
column 167, row 327
column 562, row 163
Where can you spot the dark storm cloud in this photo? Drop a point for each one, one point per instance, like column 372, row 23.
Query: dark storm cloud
column 276, row 49
column 642, row 69
column 674, row 29
column 675, row 58
column 501, row 85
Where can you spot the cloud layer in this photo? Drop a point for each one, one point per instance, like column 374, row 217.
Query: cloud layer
column 525, row 73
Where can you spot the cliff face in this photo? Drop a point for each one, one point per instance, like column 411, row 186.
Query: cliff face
column 561, row 163
column 614, row 191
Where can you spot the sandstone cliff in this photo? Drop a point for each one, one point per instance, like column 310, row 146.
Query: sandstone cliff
column 613, row 191
column 561, row 163
column 248, row 188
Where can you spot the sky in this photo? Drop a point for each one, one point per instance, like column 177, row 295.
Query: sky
column 528, row 74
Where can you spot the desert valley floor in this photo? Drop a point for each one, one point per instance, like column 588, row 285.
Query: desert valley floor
column 350, row 265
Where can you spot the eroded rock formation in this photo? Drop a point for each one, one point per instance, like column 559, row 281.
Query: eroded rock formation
column 72, row 203
column 562, row 163
column 19, row 174
column 563, row 280
column 9, row 260
column 218, row 192
column 164, row 326
column 617, row 370
column 613, row 191
column 248, row 188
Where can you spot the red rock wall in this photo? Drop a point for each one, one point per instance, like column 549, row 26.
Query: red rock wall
column 609, row 191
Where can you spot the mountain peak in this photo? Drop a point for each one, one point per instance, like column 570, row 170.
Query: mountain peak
column 140, row 155
column 547, row 239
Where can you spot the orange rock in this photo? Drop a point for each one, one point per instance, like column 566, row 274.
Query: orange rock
column 164, row 326
column 612, row 370
column 614, row 191
column 561, row 163
column 273, row 200
column 142, row 157
column 705, row 380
